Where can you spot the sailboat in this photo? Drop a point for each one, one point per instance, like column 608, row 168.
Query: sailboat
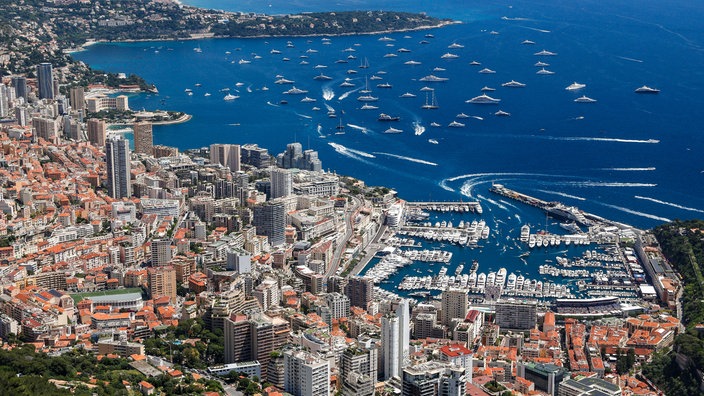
column 364, row 64
column 432, row 105
column 340, row 128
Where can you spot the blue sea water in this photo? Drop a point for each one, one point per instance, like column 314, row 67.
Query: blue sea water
column 628, row 157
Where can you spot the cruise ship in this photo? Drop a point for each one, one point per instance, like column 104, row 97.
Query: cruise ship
column 585, row 99
column 575, row 86
column 449, row 55
column 513, row 84
column 411, row 62
column 502, row 113
column 647, row 90
column 407, row 95
column 433, row 78
column 455, row 124
column 386, row 117
column 483, row 99
column 487, row 71
column 295, row 91
column 545, row 53
column 393, row 130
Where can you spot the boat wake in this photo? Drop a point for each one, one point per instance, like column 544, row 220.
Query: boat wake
column 320, row 130
column 536, row 29
column 420, row 161
column 359, row 128
column 330, row 109
column 674, row 205
column 354, row 154
column 634, row 212
column 607, row 184
column 328, row 94
column 478, row 118
column 272, row 104
column 304, row 116
column 491, row 201
column 505, row 18
column 650, row 168
column 631, row 59
column 348, row 93
column 563, row 195
column 599, row 139
column 418, row 128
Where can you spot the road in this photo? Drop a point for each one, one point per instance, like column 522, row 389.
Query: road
column 350, row 215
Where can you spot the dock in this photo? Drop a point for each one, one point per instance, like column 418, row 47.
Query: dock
column 447, row 206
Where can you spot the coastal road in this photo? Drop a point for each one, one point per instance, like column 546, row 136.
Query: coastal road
column 350, row 215
column 372, row 248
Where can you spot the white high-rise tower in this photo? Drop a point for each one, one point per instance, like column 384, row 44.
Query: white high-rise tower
column 404, row 332
column 391, row 354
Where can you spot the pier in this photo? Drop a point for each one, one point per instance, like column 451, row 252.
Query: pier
column 449, row 206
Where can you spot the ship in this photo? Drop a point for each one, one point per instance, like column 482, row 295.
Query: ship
column 295, row 91
column 455, row 124
column 433, row 78
column 486, row 71
column 390, row 55
column 347, row 84
column 647, row 90
column 433, row 141
column 367, row 98
column 283, row 81
column 386, row 117
column 432, row 105
column 393, row 130
column 434, row 124
column 483, row 99
column 527, row 42
column 461, row 115
column 322, row 77
column 545, row 53
column 407, row 95
column 525, row 233
column 384, row 85
column 230, row 97
column 513, row 84
column 455, row 45
column 449, row 55
column 584, row 99
column 367, row 106
column 474, row 63
column 487, row 89
column 403, row 50
column 544, row 71
column 541, row 64
column 575, row 86
column 412, row 63
column 502, row 113
column 308, row 100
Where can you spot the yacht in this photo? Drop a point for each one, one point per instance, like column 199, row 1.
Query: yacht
column 411, row 62
column 244, row 61
column 386, row 117
column 647, row 90
column 439, row 69
column 541, row 64
column 426, row 89
column 432, row 105
column 367, row 106
column 502, row 113
column 527, row 42
column 349, row 49
column 525, row 233
column 295, row 91
column 319, row 67
column 585, row 99
column 433, row 78
column 485, row 89
column 407, row 95
column 308, row 100
column 303, row 62
column 351, row 71
column 545, row 53
column 474, row 63
column 449, row 56
column 393, row 130
column 434, row 124
column 384, row 85
column 433, row 141
column 513, row 84
column 544, row 71
column 375, row 77
column 275, row 51
column 283, row 81
column 575, row 86
column 455, row 45
column 390, row 55
column 483, row 99
column 207, row 94
column 455, row 124
column 347, row 84
column 403, row 50
column 461, row 115
column 367, row 98
column 230, row 97
column 487, row 71
column 322, row 77
column 501, row 277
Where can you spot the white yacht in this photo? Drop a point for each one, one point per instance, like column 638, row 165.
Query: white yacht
column 545, row 53
column 230, row 97
column 455, row 45
column 544, row 71
column 502, row 113
column 407, row 95
column 575, row 86
column 585, row 99
column 647, row 90
column 485, row 89
column 487, row 71
column 393, row 130
column 513, row 84
column 455, row 124
column 483, row 99
column 527, row 42
column 449, row 55
column 433, row 78
column 295, row 91
column 411, row 62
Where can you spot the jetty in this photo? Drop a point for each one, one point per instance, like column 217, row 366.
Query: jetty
column 447, row 206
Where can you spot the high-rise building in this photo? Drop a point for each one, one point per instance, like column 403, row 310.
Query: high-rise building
column 270, row 221
column 339, row 305
column 434, row 379
column 255, row 156
column 390, row 346
column 20, row 85
column 45, row 81
column 117, row 158
column 455, row 303
column 21, row 115
column 162, row 282
column 360, row 290
column 143, row 138
column 161, row 252
column 4, row 100
column 97, row 131
column 281, row 183
column 404, row 333
column 516, row 315
column 358, row 368
column 78, row 99
column 226, row 155
column 295, row 157
column 45, row 128
column 306, row 374
column 546, row 377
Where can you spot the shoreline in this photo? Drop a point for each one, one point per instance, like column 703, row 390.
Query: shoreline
column 180, row 120
column 205, row 36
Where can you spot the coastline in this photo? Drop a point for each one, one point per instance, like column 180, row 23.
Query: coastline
column 203, row 36
column 182, row 119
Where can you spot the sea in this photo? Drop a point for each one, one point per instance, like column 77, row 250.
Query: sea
column 632, row 158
